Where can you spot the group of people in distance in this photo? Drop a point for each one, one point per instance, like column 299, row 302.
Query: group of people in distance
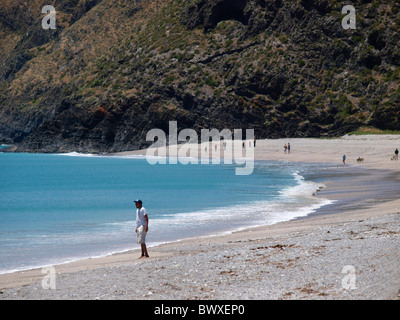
column 286, row 148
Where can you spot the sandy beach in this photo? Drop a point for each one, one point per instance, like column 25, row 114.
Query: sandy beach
column 351, row 254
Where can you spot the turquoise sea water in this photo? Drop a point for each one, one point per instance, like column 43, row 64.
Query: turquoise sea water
column 58, row 208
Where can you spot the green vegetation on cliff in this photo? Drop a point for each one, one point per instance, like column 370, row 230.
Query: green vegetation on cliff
column 114, row 69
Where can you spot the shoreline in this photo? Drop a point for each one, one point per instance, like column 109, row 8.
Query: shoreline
column 265, row 150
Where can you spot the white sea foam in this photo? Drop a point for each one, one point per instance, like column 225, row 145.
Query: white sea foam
column 105, row 155
column 76, row 154
column 293, row 202
column 305, row 189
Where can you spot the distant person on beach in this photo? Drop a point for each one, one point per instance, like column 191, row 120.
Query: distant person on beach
column 344, row 159
column 142, row 227
column 396, row 154
column 288, row 147
column 255, row 142
column 285, row 148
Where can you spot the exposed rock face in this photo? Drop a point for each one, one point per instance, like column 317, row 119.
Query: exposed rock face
column 210, row 13
column 113, row 70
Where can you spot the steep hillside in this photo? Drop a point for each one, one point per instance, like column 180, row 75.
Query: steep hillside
column 114, row 69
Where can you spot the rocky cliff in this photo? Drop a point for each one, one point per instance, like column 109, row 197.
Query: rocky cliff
column 114, row 69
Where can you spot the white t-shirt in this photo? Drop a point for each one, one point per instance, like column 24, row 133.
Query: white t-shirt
column 140, row 220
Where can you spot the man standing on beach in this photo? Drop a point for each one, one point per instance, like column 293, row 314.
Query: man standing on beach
column 142, row 227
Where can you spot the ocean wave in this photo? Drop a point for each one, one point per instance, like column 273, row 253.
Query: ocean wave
column 290, row 203
column 233, row 218
column 76, row 154
column 105, row 155
column 303, row 189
